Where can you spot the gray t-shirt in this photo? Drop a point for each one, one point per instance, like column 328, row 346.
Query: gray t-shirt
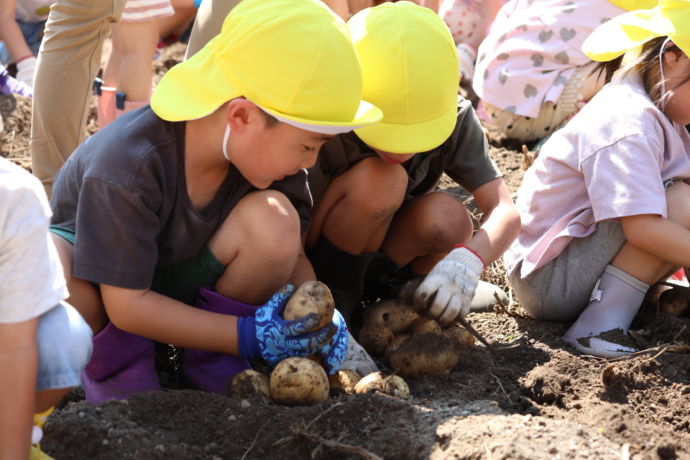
column 464, row 156
column 124, row 193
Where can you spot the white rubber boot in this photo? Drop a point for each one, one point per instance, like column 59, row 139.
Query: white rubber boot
column 614, row 302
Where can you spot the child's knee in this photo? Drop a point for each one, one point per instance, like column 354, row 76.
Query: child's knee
column 444, row 219
column 64, row 347
column 270, row 221
column 678, row 203
column 375, row 185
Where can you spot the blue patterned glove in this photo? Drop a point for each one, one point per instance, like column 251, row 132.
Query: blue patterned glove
column 333, row 354
column 267, row 335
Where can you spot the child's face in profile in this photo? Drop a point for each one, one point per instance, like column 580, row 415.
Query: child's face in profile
column 678, row 106
column 394, row 158
column 270, row 153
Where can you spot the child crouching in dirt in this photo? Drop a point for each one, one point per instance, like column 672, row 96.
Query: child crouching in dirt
column 604, row 207
column 44, row 342
column 174, row 197
column 376, row 216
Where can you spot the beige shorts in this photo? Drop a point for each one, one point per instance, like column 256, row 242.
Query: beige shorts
column 551, row 116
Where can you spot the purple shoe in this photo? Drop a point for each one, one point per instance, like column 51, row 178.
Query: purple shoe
column 9, row 85
column 209, row 370
column 122, row 365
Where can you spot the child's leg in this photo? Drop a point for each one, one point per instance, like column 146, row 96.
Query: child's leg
column 208, row 22
column 425, row 230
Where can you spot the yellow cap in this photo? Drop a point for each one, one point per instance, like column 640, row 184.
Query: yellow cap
column 293, row 58
column 628, row 31
column 635, row 4
column 410, row 70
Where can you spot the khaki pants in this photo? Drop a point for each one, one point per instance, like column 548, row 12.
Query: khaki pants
column 68, row 61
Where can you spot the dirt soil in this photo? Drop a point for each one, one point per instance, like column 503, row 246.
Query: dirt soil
column 538, row 400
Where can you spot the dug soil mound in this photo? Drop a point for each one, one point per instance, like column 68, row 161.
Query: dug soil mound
column 537, row 400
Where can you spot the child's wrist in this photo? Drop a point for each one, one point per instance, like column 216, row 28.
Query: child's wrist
column 475, row 253
column 247, row 343
column 24, row 58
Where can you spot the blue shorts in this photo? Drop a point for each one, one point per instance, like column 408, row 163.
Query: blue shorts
column 33, row 35
column 64, row 347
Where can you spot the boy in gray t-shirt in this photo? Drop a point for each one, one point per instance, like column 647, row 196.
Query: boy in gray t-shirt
column 375, row 209
column 173, row 198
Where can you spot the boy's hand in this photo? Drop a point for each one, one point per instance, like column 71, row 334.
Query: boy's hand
column 448, row 289
column 333, row 354
column 357, row 359
column 267, row 335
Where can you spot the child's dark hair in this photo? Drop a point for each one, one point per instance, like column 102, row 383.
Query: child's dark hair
column 647, row 65
column 270, row 120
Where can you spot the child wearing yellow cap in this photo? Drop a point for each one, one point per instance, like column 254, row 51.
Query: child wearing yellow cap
column 199, row 200
column 604, row 207
column 376, row 214
column 531, row 74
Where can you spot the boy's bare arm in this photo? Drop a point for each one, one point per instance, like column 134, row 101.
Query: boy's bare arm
column 18, row 359
column 501, row 222
column 166, row 320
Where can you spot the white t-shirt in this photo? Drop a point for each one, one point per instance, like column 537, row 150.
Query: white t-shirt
column 610, row 161
column 31, row 277
column 33, row 10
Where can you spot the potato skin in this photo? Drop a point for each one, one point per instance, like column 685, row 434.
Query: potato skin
column 394, row 345
column 249, row 383
column 344, row 381
column 460, row 337
column 311, row 297
column 391, row 314
column 392, row 385
column 375, row 339
column 425, row 355
column 424, row 325
column 298, row 382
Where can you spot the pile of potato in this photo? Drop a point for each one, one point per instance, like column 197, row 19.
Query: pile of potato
column 412, row 344
column 303, row 381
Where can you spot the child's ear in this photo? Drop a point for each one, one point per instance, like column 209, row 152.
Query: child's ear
column 240, row 113
column 672, row 57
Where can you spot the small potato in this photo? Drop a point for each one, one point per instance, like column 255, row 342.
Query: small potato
column 392, row 385
column 298, row 382
column 675, row 301
column 425, row 355
column 390, row 313
column 375, row 339
column 424, row 325
column 344, row 381
column 311, row 297
column 459, row 336
column 250, row 383
column 394, row 345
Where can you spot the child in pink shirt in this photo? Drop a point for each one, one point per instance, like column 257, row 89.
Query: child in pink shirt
column 604, row 207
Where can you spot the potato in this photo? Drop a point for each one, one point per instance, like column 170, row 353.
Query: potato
column 298, row 382
column 375, row 339
column 394, row 345
column 311, row 297
column 424, row 325
column 391, row 385
column 344, row 381
column 425, row 355
column 390, row 313
column 249, row 383
column 675, row 301
column 459, row 336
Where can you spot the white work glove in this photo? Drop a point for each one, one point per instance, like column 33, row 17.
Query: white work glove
column 357, row 359
column 25, row 70
column 466, row 57
column 451, row 285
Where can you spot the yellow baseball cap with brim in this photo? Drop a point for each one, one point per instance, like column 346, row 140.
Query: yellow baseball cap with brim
column 623, row 33
column 410, row 70
column 292, row 58
column 635, row 4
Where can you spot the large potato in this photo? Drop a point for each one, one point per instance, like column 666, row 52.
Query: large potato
column 425, row 355
column 459, row 336
column 298, row 382
column 375, row 339
column 250, row 383
column 311, row 297
column 391, row 314
column 392, row 385
column 394, row 345
column 344, row 381
column 424, row 325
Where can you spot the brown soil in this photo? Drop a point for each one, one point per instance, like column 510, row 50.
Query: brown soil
column 538, row 400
